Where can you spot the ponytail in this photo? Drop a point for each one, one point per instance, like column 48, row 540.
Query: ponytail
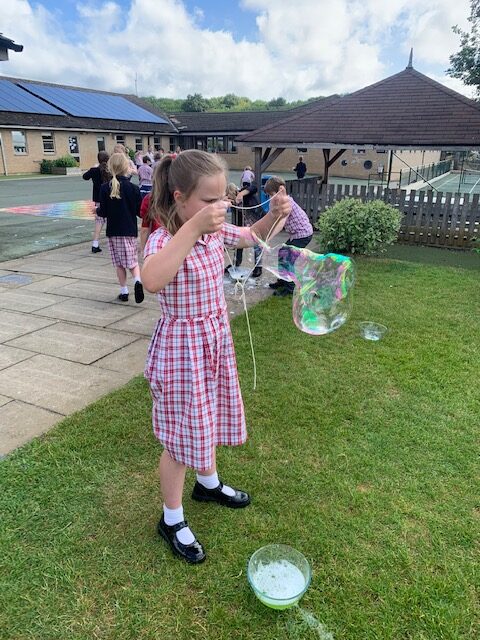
column 117, row 166
column 183, row 174
column 162, row 203
column 115, row 188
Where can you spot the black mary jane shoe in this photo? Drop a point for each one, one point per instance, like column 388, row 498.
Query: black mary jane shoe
column 123, row 297
column 138, row 290
column 192, row 553
column 239, row 500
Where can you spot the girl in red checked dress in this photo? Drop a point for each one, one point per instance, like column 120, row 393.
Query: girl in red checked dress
column 191, row 366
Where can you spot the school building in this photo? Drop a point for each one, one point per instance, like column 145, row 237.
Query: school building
column 44, row 121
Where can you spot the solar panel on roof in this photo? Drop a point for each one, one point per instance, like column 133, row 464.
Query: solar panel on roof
column 92, row 105
column 13, row 98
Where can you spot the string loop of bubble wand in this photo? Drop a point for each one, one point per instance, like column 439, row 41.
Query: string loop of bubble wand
column 240, row 285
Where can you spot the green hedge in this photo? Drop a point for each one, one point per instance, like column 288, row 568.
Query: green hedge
column 351, row 226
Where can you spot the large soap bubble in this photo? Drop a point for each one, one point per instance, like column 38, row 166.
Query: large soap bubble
column 322, row 298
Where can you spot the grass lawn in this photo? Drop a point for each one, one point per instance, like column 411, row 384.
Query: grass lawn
column 361, row 455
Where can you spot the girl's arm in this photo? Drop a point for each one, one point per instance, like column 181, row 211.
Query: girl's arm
column 144, row 233
column 161, row 268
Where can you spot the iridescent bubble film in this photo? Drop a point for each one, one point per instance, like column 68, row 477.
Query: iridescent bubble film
column 322, row 298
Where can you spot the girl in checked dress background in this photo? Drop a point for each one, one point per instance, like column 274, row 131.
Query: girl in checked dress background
column 191, row 366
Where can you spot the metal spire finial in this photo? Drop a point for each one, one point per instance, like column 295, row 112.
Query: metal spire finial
column 410, row 60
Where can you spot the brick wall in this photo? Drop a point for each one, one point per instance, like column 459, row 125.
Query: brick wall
column 354, row 167
column 87, row 144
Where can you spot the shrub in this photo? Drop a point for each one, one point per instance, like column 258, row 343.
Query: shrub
column 351, row 226
column 46, row 166
column 65, row 161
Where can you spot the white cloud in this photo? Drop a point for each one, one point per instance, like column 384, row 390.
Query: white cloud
column 318, row 48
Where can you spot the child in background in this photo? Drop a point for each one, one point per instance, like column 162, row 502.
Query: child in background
column 149, row 222
column 247, row 198
column 298, row 227
column 247, row 175
column 120, row 205
column 98, row 175
column 132, row 169
column 191, row 368
column 145, row 173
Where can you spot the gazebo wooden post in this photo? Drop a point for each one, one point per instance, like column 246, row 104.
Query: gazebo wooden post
column 258, row 168
column 329, row 161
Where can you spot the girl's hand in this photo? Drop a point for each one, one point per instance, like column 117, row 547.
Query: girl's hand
column 211, row 218
column 280, row 206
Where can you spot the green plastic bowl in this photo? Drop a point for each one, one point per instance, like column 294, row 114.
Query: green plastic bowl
column 279, row 575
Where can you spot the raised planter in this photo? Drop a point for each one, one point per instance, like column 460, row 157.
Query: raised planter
column 67, row 171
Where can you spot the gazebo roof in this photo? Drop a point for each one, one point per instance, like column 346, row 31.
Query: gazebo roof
column 405, row 111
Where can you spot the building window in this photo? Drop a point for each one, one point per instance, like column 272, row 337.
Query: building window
column 101, row 143
column 73, row 145
column 302, row 150
column 367, row 164
column 139, row 144
column 48, row 142
column 120, row 139
column 19, row 140
column 231, row 148
column 157, row 143
column 172, row 145
column 360, row 151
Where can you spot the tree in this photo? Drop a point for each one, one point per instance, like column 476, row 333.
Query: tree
column 195, row 103
column 277, row 102
column 465, row 64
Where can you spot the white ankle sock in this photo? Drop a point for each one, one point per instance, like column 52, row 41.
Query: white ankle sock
column 123, row 289
column 212, row 482
column 174, row 516
column 94, row 243
column 138, row 280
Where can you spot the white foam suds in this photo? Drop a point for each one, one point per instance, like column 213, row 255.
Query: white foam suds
column 280, row 580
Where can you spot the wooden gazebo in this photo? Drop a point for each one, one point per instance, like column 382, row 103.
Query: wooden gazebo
column 408, row 110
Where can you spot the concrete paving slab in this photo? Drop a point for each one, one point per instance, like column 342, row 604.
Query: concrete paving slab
column 142, row 323
column 20, row 422
column 58, row 385
column 90, row 290
column 48, row 267
column 4, row 400
column 73, row 342
column 130, row 358
column 27, row 301
column 91, row 312
column 17, row 279
column 48, row 284
column 101, row 274
column 13, row 325
column 12, row 355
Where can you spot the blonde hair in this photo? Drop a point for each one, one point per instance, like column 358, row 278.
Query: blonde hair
column 118, row 165
column 183, row 174
column 232, row 191
column 273, row 184
column 119, row 148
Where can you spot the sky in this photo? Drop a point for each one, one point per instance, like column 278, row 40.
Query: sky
column 261, row 49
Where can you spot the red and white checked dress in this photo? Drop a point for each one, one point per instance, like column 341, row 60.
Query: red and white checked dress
column 191, row 366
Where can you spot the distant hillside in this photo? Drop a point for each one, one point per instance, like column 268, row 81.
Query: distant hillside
column 229, row 102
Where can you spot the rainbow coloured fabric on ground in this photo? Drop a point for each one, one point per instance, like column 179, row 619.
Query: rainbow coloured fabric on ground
column 79, row 209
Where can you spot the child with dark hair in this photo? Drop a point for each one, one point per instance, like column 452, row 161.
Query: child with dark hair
column 299, row 229
column 98, row 175
column 145, row 173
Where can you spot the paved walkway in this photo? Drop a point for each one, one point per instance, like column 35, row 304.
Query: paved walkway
column 65, row 340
